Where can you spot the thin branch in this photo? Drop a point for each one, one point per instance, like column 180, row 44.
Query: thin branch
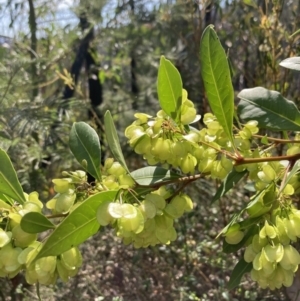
column 291, row 158
column 180, row 180
column 277, row 140
column 57, row 215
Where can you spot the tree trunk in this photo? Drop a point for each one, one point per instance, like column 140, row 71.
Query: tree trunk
column 33, row 50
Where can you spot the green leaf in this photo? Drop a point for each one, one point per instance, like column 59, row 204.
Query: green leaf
column 294, row 171
column 113, row 140
column 217, row 81
column 85, row 146
column 229, row 182
column 6, row 199
column 264, row 140
column 295, row 33
column 291, row 63
column 35, row 222
column 269, row 109
column 9, row 183
column 262, row 202
column 169, row 89
column 233, row 220
column 152, row 175
column 77, row 227
column 238, row 272
column 250, row 3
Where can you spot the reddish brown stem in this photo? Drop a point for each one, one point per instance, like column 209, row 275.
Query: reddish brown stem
column 291, row 158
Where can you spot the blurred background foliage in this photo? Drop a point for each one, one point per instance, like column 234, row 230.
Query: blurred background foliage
column 71, row 60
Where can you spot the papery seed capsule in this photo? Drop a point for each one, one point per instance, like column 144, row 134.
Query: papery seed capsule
column 188, row 116
column 257, row 209
column 282, row 231
column 172, row 211
column 255, row 275
column 21, row 238
column 290, row 228
column 249, row 254
column 226, row 163
column 179, row 203
column 103, row 216
column 295, row 149
column 188, row 164
column 5, row 238
column 290, row 259
column 252, row 126
column 288, row 190
column 126, row 181
column 178, row 149
column 158, row 201
column 161, row 148
column 273, row 253
column 116, row 169
column 267, row 175
column 142, row 117
column 64, row 201
column 245, row 133
column 268, row 230
column 267, row 266
column 62, row 185
column 257, row 264
column 134, row 131
column 258, row 243
column 233, row 235
column 205, row 165
column 148, row 209
column 143, row 145
column 192, row 137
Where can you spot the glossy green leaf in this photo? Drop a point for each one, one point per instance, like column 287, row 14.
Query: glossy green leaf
column 238, row 272
column 291, row 63
column 9, row 183
column 113, row 139
column 169, row 89
column 35, row 222
column 77, row 227
column 217, row 81
column 152, row 175
column 269, row 109
column 85, row 146
column 229, row 182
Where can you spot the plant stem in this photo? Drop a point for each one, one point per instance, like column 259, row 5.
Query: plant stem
column 283, row 182
column 291, row 158
column 180, row 180
column 278, row 140
column 57, row 215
